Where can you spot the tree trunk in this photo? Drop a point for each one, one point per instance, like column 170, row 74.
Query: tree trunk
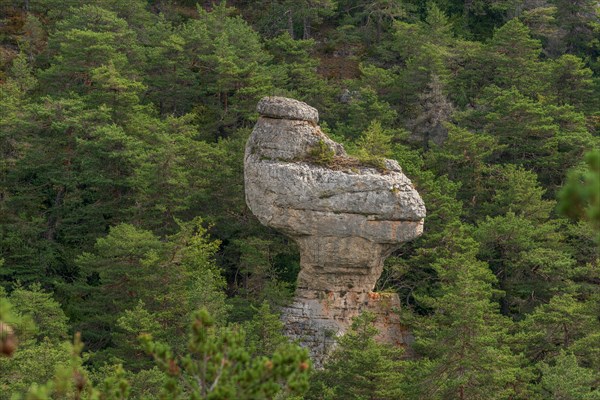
column 53, row 219
column 306, row 22
column 290, row 23
column 466, row 9
column 504, row 304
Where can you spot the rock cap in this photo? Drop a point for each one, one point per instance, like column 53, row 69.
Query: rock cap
column 285, row 108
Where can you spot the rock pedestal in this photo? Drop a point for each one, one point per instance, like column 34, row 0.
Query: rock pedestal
column 345, row 217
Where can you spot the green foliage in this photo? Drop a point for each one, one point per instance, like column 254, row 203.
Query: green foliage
column 297, row 70
column 90, row 38
column 465, row 158
column 359, row 367
column 362, row 109
column 464, row 340
column 229, row 63
column 263, row 332
column 218, row 366
column 567, row 380
column 517, row 190
column 572, row 82
column 521, row 252
column 131, row 324
column 580, row 197
column 372, row 146
column 224, row 369
column 170, row 279
column 72, row 181
column 541, row 137
column 321, row 154
column 31, row 346
column 514, row 55
column 12, row 325
column 558, row 325
column 32, row 365
column 375, row 141
column 46, row 313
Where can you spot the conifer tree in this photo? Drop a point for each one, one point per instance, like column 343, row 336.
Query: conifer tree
column 514, row 55
column 230, row 64
column 565, row 323
column 172, row 278
column 571, row 82
column 527, row 258
column 264, row 331
column 217, row 366
column 359, row 367
column 567, row 380
column 579, row 198
column 464, row 341
column 545, row 138
column 39, row 327
column 91, row 37
column 464, row 158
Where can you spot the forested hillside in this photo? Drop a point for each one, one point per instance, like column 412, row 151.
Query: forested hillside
column 122, row 211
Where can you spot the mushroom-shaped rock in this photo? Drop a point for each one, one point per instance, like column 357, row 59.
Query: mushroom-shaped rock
column 345, row 217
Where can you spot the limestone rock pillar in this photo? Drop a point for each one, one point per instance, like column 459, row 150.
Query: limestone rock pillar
column 345, row 217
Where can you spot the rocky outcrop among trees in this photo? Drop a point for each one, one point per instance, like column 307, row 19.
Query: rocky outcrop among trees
column 346, row 218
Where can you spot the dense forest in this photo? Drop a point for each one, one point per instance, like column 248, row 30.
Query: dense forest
column 122, row 211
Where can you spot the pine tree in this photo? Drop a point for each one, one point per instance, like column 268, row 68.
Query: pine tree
column 264, row 331
column 297, row 68
column 514, row 55
column 218, row 366
column 517, row 190
column 40, row 327
column 464, row 158
column 50, row 320
column 463, row 342
column 566, row 380
column 571, row 82
column 373, row 145
column 576, row 19
column 363, row 109
column 360, row 368
column 563, row 324
column 71, row 182
column 230, row 64
column 172, row 278
column 544, row 138
column 380, row 14
column 579, row 197
column 527, row 258
column 90, row 38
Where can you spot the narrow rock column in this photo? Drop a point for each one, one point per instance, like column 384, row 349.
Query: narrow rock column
column 345, row 217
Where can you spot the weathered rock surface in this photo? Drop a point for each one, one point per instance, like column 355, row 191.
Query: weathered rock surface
column 346, row 221
column 282, row 107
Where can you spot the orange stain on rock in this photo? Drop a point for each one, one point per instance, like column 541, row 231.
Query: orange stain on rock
column 374, row 296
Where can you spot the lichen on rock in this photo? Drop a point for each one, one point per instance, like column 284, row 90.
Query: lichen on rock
column 346, row 221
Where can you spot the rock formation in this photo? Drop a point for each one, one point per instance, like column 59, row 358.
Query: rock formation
column 345, row 217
